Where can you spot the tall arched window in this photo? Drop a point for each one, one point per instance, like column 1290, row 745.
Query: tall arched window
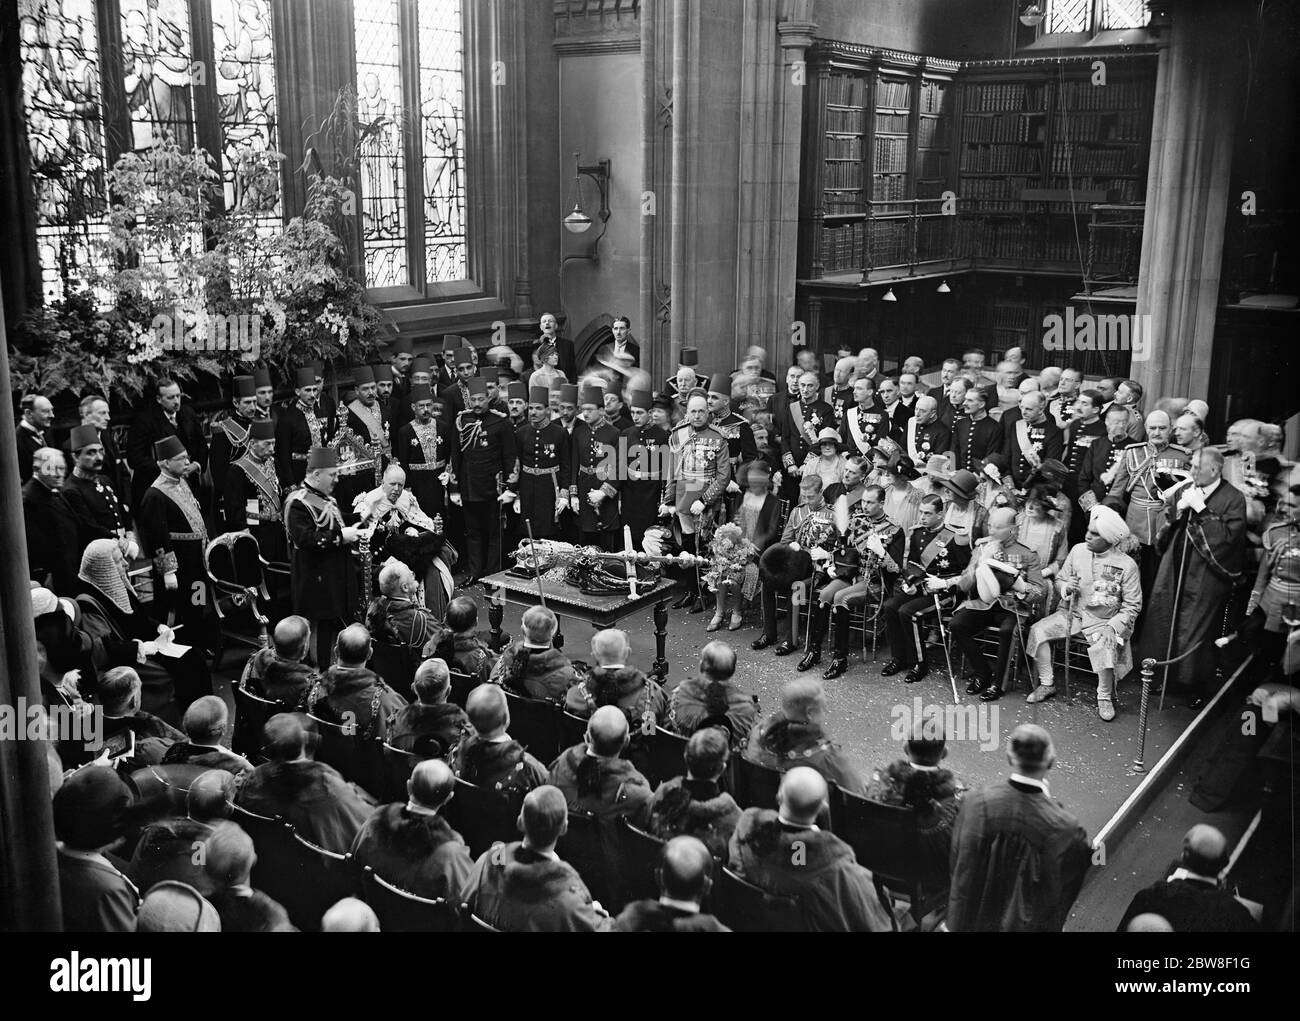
column 411, row 119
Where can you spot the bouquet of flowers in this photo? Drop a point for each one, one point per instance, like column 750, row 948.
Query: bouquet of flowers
column 732, row 557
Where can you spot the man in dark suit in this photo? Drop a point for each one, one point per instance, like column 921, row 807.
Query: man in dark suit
column 95, row 412
column 549, row 327
column 298, row 429
column 1190, row 898
column 230, row 433
column 891, row 402
column 53, row 546
column 622, row 346
column 1097, row 467
column 100, row 513
column 161, row 417
column 37, row 413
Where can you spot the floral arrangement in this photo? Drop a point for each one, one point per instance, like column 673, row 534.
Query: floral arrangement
column 731, row 554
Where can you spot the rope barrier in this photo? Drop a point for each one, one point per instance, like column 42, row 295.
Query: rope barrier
column 1148, row 676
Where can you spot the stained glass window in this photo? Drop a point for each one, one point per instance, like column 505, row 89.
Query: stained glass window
column 379, row 125
column 442, row 124
column 157, row 65
column 244, row 78
column 65, row 132
column 1124, row 13
column 1068, row 15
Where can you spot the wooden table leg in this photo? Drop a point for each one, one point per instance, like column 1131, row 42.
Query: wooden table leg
column 660, row 669
column 496, row 611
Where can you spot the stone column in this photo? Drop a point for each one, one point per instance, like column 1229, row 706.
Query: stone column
column 1193, row 128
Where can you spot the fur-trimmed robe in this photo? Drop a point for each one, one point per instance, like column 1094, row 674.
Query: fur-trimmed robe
column 783, row 744
column 689, row 706
column 270, row 675
column 547, row 674
column 836, row 893
column 933, row 794
column 418, row 853
column 693, row 808
column 488, row 763
column 352, row 689
column 411, row 729
column 518, row 890
column 607, row 788
column 312, row 797
column 651, row 916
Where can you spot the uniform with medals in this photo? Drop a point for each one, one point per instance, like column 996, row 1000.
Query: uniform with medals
column 455, row 398
column 173, row 535
column 840, row 400
column 364, row 450
column 98, row 509
column 973, row 441
column 252, row 497
column 594, row 454
column 424, row 452
column 863, row 428
column 1142, row 472
column 1276, row 592
column 934, row 552
column 642, row 490
column 323, row 577
column 483, row 459
column 230, row 434
column 1031, row 445
column 545, row 469
column 297, row 430
column 991, row 599
column 921, row 442
column 863, row 567
column 798, row 428
column 741, row 446
column 1079, row 437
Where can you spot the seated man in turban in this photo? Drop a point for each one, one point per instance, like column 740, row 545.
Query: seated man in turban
column 1101, row 596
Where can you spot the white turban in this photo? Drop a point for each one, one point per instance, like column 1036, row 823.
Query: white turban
column 1109, row 525
column 43, row 601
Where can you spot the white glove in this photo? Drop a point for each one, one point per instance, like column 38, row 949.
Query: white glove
column 665, row 510
column 146, row 649
column 794, row 546
column 936, row 584
column 574, row 505
column 733, row 486
column 875, row 545
column 697, row 507
column 596, row 497
column 1088, row 500
column 561, row 505
column 1108, row 476
column 169, row 581
column 506, row 497
column 455, row 500
column 351, row 534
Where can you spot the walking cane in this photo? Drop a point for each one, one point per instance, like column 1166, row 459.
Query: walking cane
column 947, row 656
column 1069, row 620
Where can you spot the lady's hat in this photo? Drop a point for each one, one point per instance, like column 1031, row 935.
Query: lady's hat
column 963, row 484
column 996, row 467
column 1051, row 471
column 889, row 450
column 829, row 435
column 906, row 469
column 939, row 466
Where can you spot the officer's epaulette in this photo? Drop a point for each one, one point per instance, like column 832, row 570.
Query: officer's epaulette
column 498, row 413
column 1134, row 446
column 1178, row 447
column 1284, row 530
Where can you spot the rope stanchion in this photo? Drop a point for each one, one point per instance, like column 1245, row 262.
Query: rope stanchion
column 1148, row 676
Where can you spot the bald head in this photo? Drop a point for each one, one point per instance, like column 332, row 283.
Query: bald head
column 607, row 732
column 539, row 625
column 1028, row 385
column 284, row 738
column 350, row 915
column 290, row 638
column 1148, row 923
column 487, row 710
column 609, row 647
column 543, row 818
column 211, row 796
column 1030, row 751
column 803, row 700
column 926, row 409
column 685, row 869
column 802, row 795
column 432, row 683
column 431, row 783
column 396, row 580
column 229, row 856
column 353, row 645
column 1205, row 850
column 394, row 473
column 205, row 720
column 717, row 661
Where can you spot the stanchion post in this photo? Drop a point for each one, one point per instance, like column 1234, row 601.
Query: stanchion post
column 660, row 668
column 1148, row 675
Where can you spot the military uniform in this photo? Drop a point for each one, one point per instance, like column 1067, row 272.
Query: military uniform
column 701, row 468
column 323, row 578
column 797, row 426
column 1278, row 582
column 173, row 535
column 921, row 442
column 229, row 441
column 252, row 500
column 1141, row 473
column 1079, row 439
column 839, row 400
column 545, row 472
column 360, row 473
column 483, row 456
column 424, row 453
column 974, row 441
column 1044, row 438
column 594, row 457
column 98, row 508
column 859, row 573
column 976, row 613
column 297, row 430
column 863, row 428
column 644, row 449
column 931, row 551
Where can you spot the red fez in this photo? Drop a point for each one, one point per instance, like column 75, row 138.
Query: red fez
column 569, row 393
column 451, row 343
column 402, row 346
column 262, row 429
column 421, row 364
column 243, row 387
column 261, row 378
column 362, row 374
column 592, row 395
column 322, row 457
column 476, row 385
column 465, row 356
column 516, row 392
column 421, row 392
column 538, row 395
column 306, row 376
column 639, row 399
column 83, row 436
column 167, row 448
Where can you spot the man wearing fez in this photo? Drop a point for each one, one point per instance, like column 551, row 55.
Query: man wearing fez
column 384, row 389
column 264, row 392
column 567, row 407
column 298, row 429
column 701, row 469
column 741, row 447
column 99, row 511
column 445, row 373
column 164, row 416
column 615, row 410
column 593, row 495
column 545, row 467
column 483, row 462
column 516, row 403
column 251, row 497
column 326, row 407
column 95, row 412
column 643, row 448
column 422, row 448
column 400, row 358
column 364, row 419
column 230, row 433
column 173, row 534
column 323, row 578
column 455, row 398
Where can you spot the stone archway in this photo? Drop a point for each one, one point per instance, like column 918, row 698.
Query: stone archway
column 595, row 335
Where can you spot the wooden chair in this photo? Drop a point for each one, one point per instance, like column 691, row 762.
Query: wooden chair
column 753, row 785
column 359, row 758
column 289, row 870
column 640, row 853
column 667, row 755
column 251, row 713
column 398, row 766
column 885, row 840
column 482, row 817
column 533, row 725
column 396, row 664
column 325, row 877
column 572, row 730
column 744, row 907
column 400, row 911
column 461, row 686
column 162, row 791
column 471, row 922
column 590, row 847
column 233, row 562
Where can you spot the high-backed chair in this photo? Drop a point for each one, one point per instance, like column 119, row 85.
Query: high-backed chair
column 234, row 565
column 251, row 713
column 400, row 911
column 744, row 907
column 533, row 725
column 358, row 757
column 482, row 816
column 639, row 853
column 396, row 664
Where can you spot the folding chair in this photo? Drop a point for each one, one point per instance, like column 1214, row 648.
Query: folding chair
column 400, row 911
column 533, row 725
column 744, row 907
column 885, row 840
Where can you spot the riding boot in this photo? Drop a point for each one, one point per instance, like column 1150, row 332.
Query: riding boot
column 817, row 618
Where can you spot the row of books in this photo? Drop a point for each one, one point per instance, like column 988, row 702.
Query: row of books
column 895, row 123
column 1083, row 95
column 934, row 97
column 889, row 187
column 1123, row 189
column 842, row 175
column 846, row 90
column 842, row 147
column 893, row 93
column 995, row 187
column 1000, row 159
column 1080, row 159
column 891, row 155
column 849, row 121
column 932, row 131
column 1018, row 127
column 995, row 98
